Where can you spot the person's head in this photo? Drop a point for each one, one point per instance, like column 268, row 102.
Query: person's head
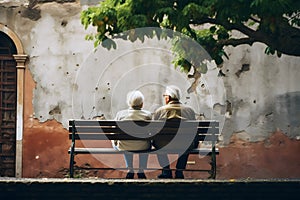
column 135, row 99
column 172, row 93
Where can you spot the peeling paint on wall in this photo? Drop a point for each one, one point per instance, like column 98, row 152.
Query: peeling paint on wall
column 245, row 67
column 31, row 13
column 255, row 91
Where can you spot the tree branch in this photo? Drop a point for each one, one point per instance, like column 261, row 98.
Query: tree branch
column 236, row 42
column 257, row 35
column 203, row 21
column 229, row 26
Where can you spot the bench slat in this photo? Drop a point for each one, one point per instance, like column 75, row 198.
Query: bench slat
column 87, row 136
column 78, row 123
column 145, row 131
column 201, row 151
column 100, row 129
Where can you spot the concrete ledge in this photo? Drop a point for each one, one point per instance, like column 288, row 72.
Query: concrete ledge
column 148, row 189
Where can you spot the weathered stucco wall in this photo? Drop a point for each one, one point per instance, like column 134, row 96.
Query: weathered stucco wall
column 262, row 93
column 258, row 96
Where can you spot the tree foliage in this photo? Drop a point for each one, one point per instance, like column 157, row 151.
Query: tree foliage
column 272, row 22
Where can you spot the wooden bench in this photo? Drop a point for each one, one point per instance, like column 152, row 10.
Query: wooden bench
column 180, row 133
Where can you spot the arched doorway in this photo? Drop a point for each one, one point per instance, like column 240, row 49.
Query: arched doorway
column 12, row 65
column 8, row 106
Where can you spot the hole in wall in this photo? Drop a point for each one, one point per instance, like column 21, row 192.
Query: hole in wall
column 64, row 23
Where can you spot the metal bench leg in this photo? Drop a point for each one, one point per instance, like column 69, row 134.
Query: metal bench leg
column 72, row 150
column 72, row 165
column 213, row 164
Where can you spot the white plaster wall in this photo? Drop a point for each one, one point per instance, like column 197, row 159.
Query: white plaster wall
column 56, row 54
column 264, row 98
column 106, row 77
column 73, row 81
column 56, row 47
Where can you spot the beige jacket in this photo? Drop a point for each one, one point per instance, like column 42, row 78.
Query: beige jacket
column 133, row 114
column 173, row 109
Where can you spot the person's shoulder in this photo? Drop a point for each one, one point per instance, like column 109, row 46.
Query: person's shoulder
column 121, row 114
column 163, row 107
column 147, row 112
column 158, row 111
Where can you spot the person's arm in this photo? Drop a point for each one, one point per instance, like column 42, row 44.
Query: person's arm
column 193, row 115
column 156, row 115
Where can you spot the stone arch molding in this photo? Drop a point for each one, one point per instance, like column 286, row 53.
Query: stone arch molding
column 20, row 59
column 14, row 38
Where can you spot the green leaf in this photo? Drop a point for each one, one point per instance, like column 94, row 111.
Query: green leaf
column 269, row 50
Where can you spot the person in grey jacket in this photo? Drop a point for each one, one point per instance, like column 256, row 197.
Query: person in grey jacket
column 173, row 110
column 135, row 101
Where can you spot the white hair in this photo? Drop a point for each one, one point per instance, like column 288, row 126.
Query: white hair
column 135, row 98
column 173, row 91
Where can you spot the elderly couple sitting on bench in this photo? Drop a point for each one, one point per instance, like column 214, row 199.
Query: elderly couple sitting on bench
column 173, row 109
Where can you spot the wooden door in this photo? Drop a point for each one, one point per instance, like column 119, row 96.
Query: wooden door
column 8, row 100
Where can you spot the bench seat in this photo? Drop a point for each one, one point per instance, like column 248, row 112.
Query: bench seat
column 205, row 133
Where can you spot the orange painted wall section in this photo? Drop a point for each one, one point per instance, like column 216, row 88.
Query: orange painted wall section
column 45, row 155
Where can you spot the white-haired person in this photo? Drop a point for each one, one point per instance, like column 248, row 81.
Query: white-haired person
column 173, row 109
column 135, row 101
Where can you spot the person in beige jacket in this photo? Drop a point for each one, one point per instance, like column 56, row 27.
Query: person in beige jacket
column 173, row 110
column 135, row 101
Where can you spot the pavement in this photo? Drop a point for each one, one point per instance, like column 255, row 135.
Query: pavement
column 185, row 189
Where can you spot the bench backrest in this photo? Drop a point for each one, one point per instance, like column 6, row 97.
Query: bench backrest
column 142, row 130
